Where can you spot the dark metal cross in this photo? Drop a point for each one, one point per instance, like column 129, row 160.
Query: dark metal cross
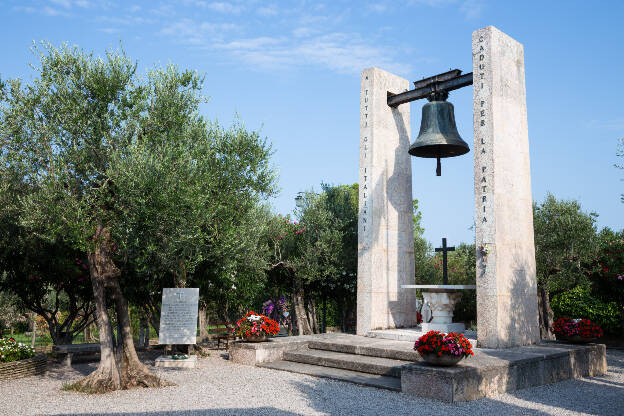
column 444, row 249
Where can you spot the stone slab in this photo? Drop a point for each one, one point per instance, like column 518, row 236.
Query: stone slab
column 436, row 287
column 412, row 334
column 353, row 362
column 178, row 316
column 495, row 371
column 167, row 361
column 452, row 327
column 371, row 380
column 254, row 353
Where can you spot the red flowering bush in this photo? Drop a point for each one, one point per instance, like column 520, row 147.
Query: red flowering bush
column 569, row 327
column 419, row 318
column 440, row 343
column 253, row 324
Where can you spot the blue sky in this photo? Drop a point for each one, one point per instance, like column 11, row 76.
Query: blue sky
column 292, row 70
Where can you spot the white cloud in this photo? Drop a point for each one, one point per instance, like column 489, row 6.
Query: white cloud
column 50, row 11
column 109, row 30
column 63, row 3
column 377, row 7
column 270, row 10
column 340, row 52
column 471, row 9
column 223, row 7
column 612, row 124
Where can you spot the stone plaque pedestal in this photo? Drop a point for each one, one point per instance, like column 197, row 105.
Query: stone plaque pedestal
column 167, row 361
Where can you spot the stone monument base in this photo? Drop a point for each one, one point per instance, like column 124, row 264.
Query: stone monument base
column 394, row 365
column 167, row 361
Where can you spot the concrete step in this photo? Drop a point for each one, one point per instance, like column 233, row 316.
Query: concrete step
column 364, row 379
column 394, row 350
column 352, row 362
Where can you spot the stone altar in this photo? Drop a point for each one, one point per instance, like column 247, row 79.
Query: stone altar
column 441, row 300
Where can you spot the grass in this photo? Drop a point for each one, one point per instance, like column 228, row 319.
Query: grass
column 41, row 340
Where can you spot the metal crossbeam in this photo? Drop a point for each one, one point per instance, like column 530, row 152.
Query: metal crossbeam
column 447, row 81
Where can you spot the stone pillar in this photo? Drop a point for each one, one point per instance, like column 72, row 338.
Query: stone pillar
column 507, row 313
column 385, row 229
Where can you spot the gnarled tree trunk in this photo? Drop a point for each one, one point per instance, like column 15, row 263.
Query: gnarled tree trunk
column 303, row 325
column 203, row 322
column 112, row 374
column 546, row 314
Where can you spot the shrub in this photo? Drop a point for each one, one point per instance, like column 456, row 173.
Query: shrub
column 584, row 328
column 578, row 302
column 10, row 350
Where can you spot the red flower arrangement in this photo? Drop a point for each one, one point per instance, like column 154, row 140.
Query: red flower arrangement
column 440, row 343
column 419, row 318
column 584, row 328
column 255, row 325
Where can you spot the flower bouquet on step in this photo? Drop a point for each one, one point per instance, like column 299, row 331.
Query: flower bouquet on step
column 255, row 328
column 576, row 330
column 438, row 348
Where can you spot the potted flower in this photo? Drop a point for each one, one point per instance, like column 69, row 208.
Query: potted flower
column 255, row 328
column 438, row 348
column 576, row 330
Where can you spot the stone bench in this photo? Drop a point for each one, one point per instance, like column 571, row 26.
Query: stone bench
column 68, row 352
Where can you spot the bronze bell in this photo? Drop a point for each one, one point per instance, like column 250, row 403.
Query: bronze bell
column 438, row 135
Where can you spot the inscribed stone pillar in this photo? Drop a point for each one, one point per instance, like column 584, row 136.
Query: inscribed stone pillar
column 385, row 231
column 507, row 313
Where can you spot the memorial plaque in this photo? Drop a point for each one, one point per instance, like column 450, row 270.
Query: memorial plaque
column 178, row 316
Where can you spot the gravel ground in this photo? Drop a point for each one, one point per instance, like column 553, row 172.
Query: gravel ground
column 219, row 387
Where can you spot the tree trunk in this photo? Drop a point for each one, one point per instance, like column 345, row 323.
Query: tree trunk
column 87, row 334
column 312, row 316
column 34, row 330
column 203, row 333
column 300, row 313
column 147, row 335
column 141, row 331
column 111, row 375
column 133, row 372
column 154, row 319
column 545, row 313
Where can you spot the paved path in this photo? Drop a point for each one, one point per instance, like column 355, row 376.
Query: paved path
column 219, row 387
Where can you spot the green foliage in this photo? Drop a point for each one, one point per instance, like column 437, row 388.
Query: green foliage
column 565, row 238
column 425, row 272
column 578, row 302
column 10, row 350
column 90, row 143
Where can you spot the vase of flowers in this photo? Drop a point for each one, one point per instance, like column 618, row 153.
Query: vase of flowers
column 438, row 348
column 577, row 331
column 255, row 328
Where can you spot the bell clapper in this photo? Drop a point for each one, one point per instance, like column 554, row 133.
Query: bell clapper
column 439, row 168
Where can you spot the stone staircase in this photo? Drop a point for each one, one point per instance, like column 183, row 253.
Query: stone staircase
column 359, row 360
column 393, row 364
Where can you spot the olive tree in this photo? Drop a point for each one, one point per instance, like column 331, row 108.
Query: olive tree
column 129, row 170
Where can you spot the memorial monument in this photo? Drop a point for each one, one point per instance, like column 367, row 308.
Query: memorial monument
column 178, row 324
column 507, row 313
